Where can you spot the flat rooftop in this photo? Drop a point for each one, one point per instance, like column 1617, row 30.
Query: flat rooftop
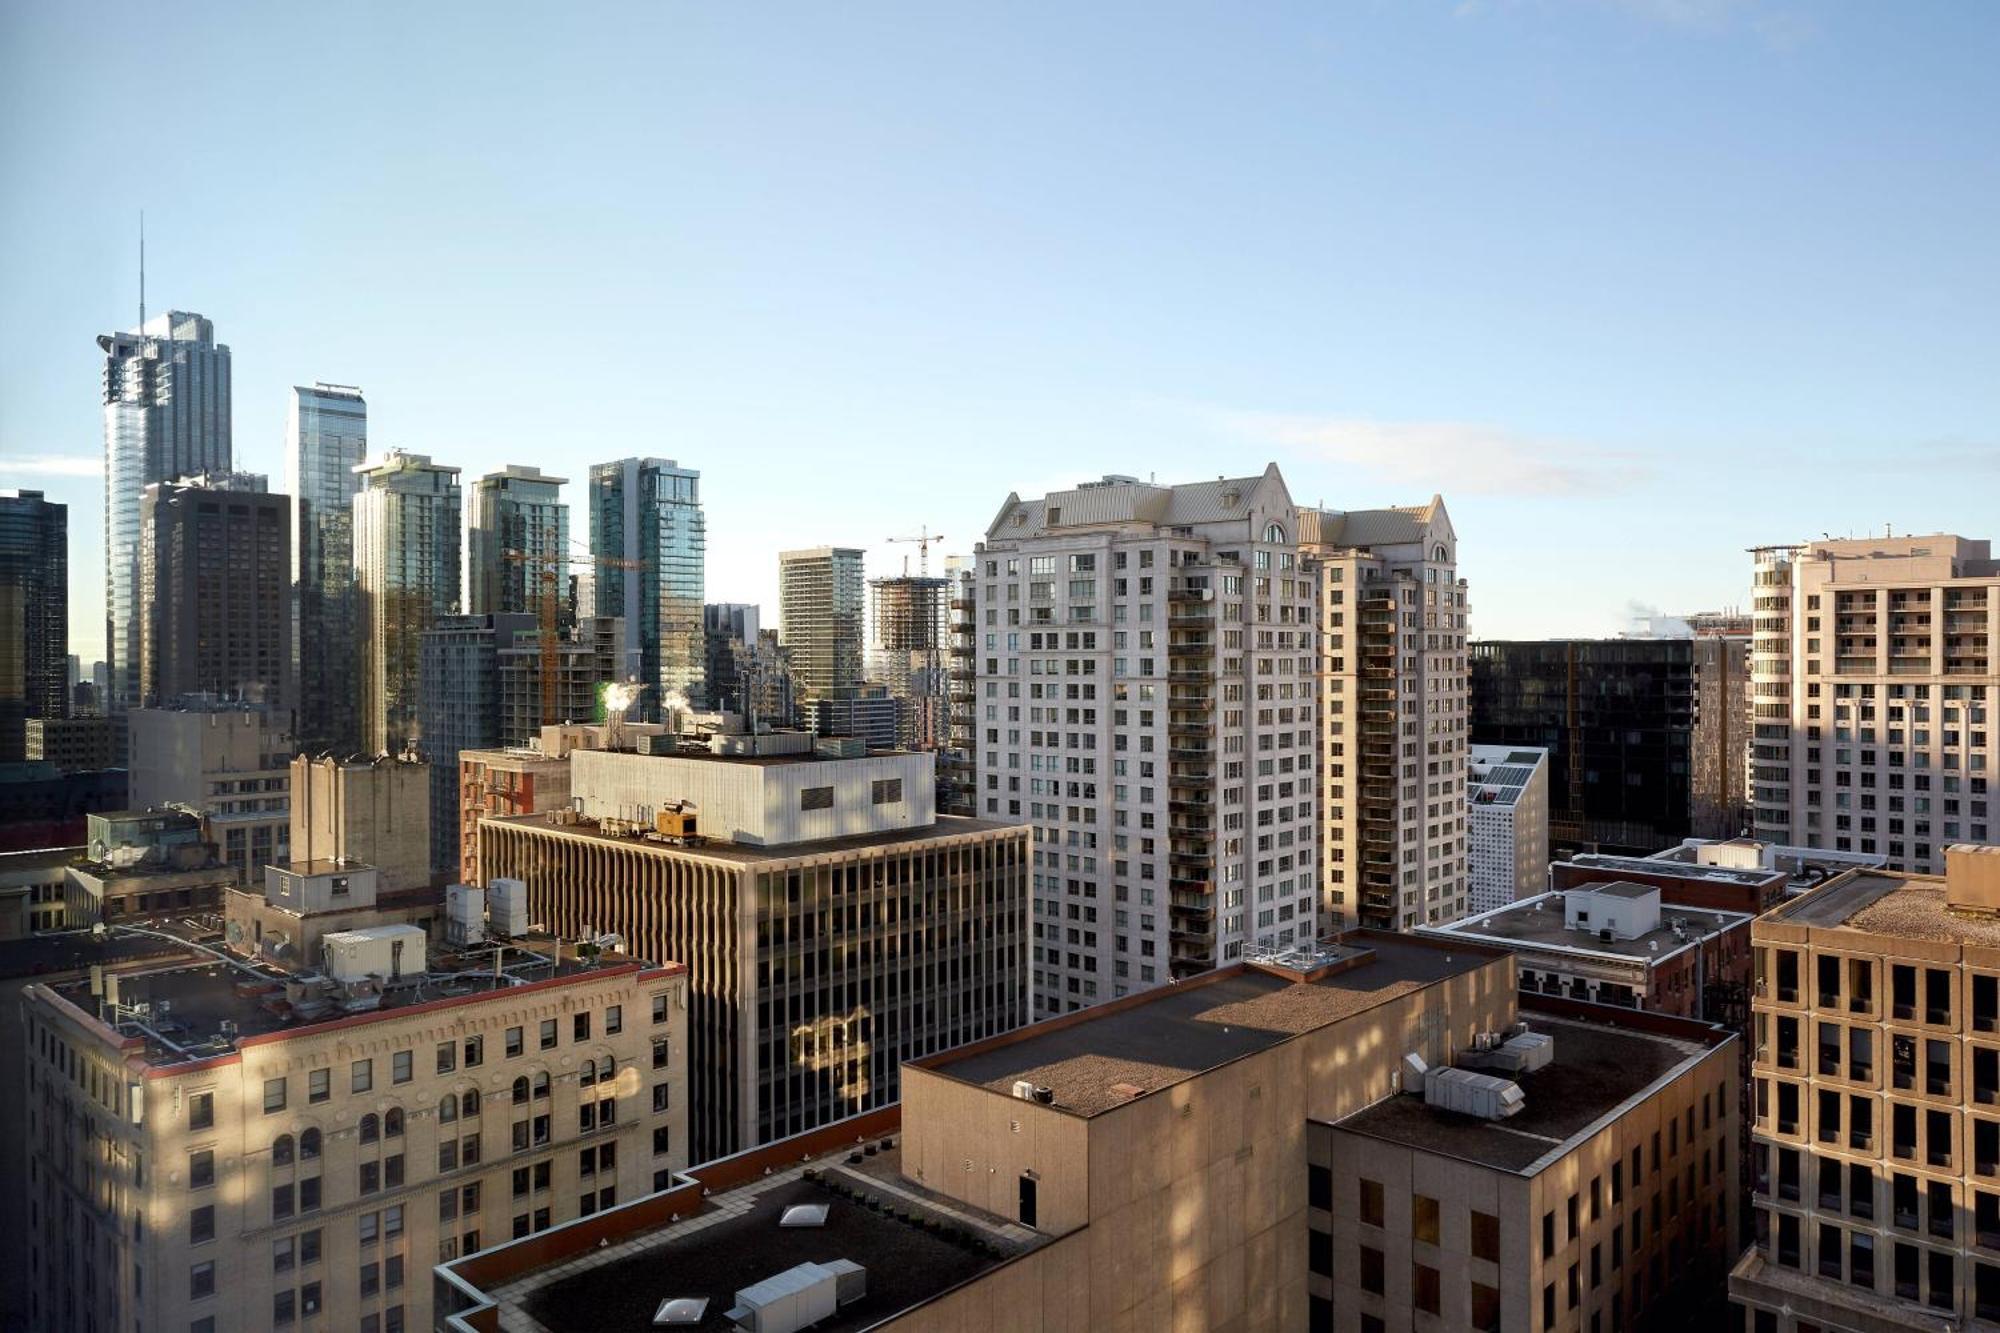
column 1646, row 865
column 701, row 755
column 1596, row 1070
column 197, row 1008
column 736, row 1241
column 1538, row 923
column 944, row 826
column 1175, row 1032
column 1883, row 902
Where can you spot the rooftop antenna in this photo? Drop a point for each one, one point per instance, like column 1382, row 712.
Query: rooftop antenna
column 142, row 270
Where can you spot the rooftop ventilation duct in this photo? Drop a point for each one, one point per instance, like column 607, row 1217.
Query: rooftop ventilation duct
column 798, row 1297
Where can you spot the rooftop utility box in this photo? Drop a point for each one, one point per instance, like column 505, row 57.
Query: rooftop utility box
column 464, row 913
column 378, row 951
column 507, row 907
column 1468, row 1093
column 798, row 1297
column 1624, row 909
column 1972, row 877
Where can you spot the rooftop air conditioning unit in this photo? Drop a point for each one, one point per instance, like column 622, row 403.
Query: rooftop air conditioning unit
column 799, row 1297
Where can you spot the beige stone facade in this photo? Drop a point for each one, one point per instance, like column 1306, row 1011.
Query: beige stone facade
column 1877, row 1136
column 1394, row 709
column 269, row 1171
column 1875, row 676
column 371, row 811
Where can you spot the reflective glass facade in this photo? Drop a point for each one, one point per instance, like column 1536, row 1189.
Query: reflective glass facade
column 34, row 615
column 166, row 394
column 650, row 542
column 406, row 560
column 326, row 438
column 518, row 510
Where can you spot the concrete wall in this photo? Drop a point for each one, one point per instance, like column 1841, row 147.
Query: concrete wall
column 375, row 813
column 1194, row 1195
column 757, row 803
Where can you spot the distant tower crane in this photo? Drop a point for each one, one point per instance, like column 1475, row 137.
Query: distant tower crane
column 923, row 541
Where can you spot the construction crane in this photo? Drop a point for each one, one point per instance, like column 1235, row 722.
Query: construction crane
column 923, row 541
column 549, row 570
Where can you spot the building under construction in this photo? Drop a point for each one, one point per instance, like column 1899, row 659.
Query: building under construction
column 912, row 643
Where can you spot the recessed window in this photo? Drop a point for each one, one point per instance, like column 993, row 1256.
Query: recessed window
column 816, row 798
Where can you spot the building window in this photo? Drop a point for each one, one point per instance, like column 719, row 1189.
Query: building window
column 201, row 1169
column 361, row 1076
column 319, row 1085
column 548, row 1034
column 1371, row 1202
column 401, row 1067
column 614, row 1020
column 1372, row 1270
column 816, row 798
column 201, row 1111
column 1424, row 1287
column 1485, row 1237
column 201, row 1280
column 886, row 791
column 1424, row 1219
column 1319, row 1252
column 274, row 1095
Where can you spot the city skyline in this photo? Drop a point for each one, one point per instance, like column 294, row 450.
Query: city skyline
column 1490, row 250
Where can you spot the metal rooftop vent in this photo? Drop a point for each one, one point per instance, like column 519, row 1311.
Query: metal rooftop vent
column 804, row 1215
column 681, row 1312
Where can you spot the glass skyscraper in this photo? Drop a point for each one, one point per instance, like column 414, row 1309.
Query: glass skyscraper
column 326, row 439
column 517, row 512
column 34, row 615
column 166, row 415
column 649, row 541
column 406, row 564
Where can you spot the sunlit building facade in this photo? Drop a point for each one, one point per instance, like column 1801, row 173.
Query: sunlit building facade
column 649, row 542
column 326, row 439
column 406, row 539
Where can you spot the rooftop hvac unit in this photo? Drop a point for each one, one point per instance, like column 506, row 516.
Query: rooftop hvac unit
column 1467, row 1093
column 507, row 907
column 798, row 1297
column 465, row 913
column 387, row 952
column 1536, row 1050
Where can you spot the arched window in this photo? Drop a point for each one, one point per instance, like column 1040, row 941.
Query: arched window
column 308, row 1145
column 1275, row 534
column 448, row 1108
column 605, row 1069
column 371, row 1128
column 521, row 1090
column 281, row 1150
column 392, row 1123
column 468, row 1105
column 541, row 1086
column 1438, row 553
column 587, row 1075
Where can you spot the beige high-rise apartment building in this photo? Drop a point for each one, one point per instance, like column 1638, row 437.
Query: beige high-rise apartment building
column 1876, row 1146
column 821, row 620
column 833, row 924
column 1146, row 698
column 1875, row 676
column 1392, row 687
column 228, row 1148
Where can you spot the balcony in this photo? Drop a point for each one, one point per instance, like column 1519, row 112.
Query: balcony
column 1181, row 671
column 1192, row 730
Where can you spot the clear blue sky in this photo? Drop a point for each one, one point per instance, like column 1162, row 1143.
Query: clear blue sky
column 1635, row 284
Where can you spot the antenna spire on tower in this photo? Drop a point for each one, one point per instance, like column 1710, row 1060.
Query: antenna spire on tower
column 142, row 270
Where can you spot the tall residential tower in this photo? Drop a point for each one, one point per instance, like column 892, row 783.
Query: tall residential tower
column 214, row 576
column 517, row 543
column 1874, row 680
column 406, row 560
column 34, row 615
column 1392, row 692
column 820, row 618
column 650, row 542
column 326, row 440
column 1146, row 695
column 166, row 414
